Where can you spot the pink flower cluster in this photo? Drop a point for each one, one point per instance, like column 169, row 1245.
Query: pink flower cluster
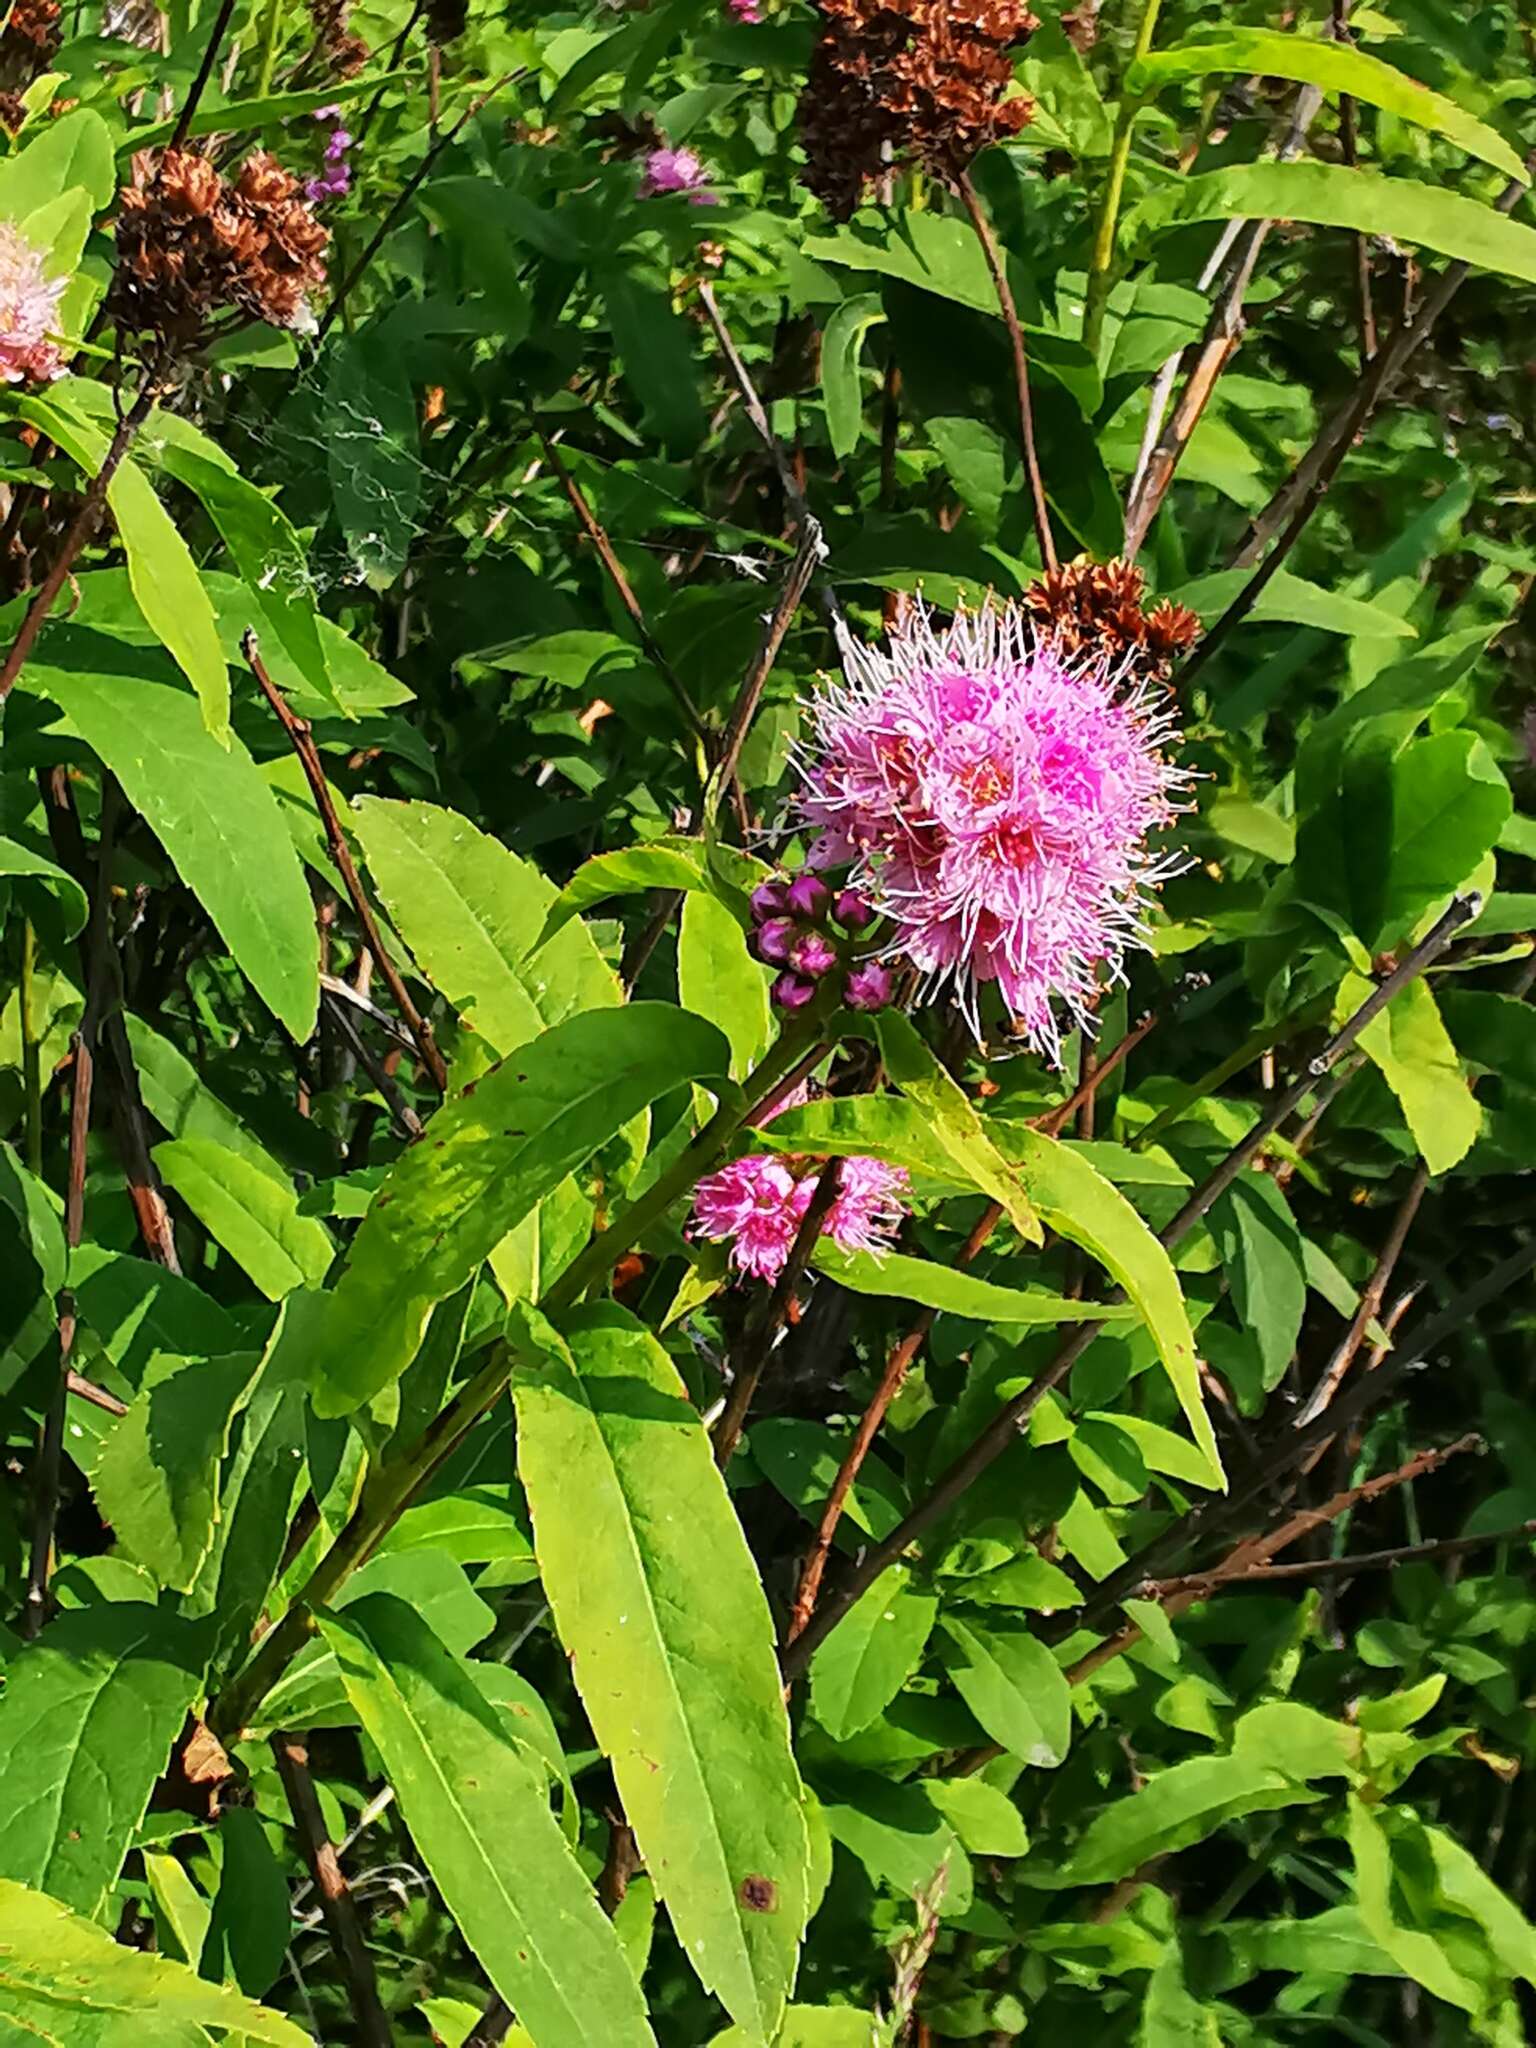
column 29, row 309
column 747, row 12
column 994, row 800
column 791, row 933
column 335, row 180
column 757, row 1205
column 676, row 170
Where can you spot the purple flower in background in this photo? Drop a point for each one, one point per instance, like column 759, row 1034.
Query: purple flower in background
column 335, row 179
column 748, row 12
column 676, row 170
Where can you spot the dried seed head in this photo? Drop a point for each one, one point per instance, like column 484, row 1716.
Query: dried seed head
column 924, row 80
column 342, row 53
column 1100, row 607
column 28, row 39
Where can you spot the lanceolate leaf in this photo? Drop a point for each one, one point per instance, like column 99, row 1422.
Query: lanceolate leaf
column 487, row 1157
column 480, row 1816
column 209, row 808
column 1076, row 1200
column 841, row 341
column 64, row 1980
column 1330, row 195
column 660, row 864
column 1271, row 53
column 657, row 1600
column 958, row 1293
column 871, row 1653
column 251, row 1212
column 87, row 1719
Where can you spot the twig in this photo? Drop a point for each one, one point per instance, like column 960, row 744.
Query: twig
column 76, row 1383
column 336, row 1903
column 204, row 72
column 750, row 695
column 407, row 1123
column 392, row 64
column 1349, row 143
column 1101, row 262
column 1304, row 488
column 493, row 2025
column 1010, row 312
column 901, row 1358
column 303, row 743
column 403, row 199
column 1370, row 1299
column 623, row 588
column 1370, row 1560
column 1002, row 1430
column 79, row 532
column 763, row 1330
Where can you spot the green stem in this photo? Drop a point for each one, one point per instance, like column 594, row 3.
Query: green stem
column 393, row 1485
column 31, row 1052
column 270, row 22
column 1103, row 257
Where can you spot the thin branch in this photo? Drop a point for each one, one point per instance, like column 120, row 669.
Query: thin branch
column 1371, row 1298
column 79, row 532
column 408, row 1124
column 1003, row 1429
column 1349, row 143
column 623, row 588
column 303, row 742
column 76, row 1383
column 1010, row 312
column 750, row 695
column 763, row 1330
column 204, row 73
column 403, row 199
column 1372, row 1560
column 337, row 1907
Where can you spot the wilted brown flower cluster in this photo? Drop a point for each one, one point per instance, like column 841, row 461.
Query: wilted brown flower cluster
column 928, row 81
column 190, row 243
column 28, row 39
column 345, row 54
column 1101, row 605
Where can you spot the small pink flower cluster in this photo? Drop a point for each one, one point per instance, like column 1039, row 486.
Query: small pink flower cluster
column 748, row 12
column 757, row 1205
column 994, row 799
column 676, row 170
column 335, row 180
column 29, row 307
column 791, row 934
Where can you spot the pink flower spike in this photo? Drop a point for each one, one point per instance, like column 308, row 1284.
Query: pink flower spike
column 996, row 801
column 869, row 987
column 809, row 897
column 769, row 899
column 813, row 953
column 673, row 170
column 29, row 307
column 775, row 938
column 792, row 992
column 871, row 1203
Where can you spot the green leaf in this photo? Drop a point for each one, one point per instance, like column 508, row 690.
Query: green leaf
column 1183, row 1804
column 1291, row 600
column 814, row 2026
column 1253, row 827
column 1261, row 1255
column 373, row 446
column 1467, row 1889
column 1014, row 1687
column 480, row 1817
column 1170, row 2016
column 954, row 1123
column 252, row 1215
column 802, row 1459
column 1418, row 1954
column 1449, row 805
column 157, row 1481
column 901, row 1838
column 899, row 1278
column 251, row 1922
column 985, row 1819
column 160, row 566
column 207, row 805
column 234, row 117
column 655, row 351
column 717, row 978
column 661, row 864
column 181, row 1912
column 1269, row 53
column 488, row 1156
column 22, row 863
column 1332, row 195
column 473, row 914
column 841, row 340
column 870, row 1655
column 936, row 251
column 1078, row 1203
column 74, row 150
column 58, row 1971
column 1408, row 1041
column 87, row 1719
column 656, row 1599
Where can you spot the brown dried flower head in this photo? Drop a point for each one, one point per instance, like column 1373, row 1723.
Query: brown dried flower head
column 343, row 53
column 1086, row 605
column 28, row 39
column 928, row 81
column 190, row 244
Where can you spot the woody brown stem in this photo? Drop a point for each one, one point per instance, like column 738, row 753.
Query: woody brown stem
column 1010, row 312
column 337, row 1907
column 303, row 743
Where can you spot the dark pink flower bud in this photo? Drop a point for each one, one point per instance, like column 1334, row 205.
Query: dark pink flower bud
column 813, row 953
column 869, row 987
column 793, row 992
column 775, row 938
column 769, row 899
column 852, row 910
column 809, row 897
